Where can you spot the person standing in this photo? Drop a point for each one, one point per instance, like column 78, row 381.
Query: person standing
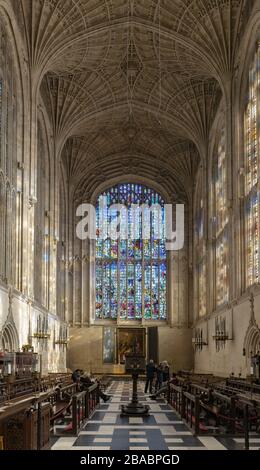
column 159, row 377
column 164, row 387
column 150, row 370
column 166, row 372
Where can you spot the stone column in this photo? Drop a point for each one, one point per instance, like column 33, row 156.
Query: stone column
column 30, row 190
column 85, row 278
column 92, row 287
column 171, row 288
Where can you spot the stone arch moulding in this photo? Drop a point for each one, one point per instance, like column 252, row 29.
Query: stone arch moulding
column 130, row 178
column 9, row 337
column 252, row 338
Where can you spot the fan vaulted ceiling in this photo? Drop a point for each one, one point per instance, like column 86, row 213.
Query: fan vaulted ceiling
column 131, row 85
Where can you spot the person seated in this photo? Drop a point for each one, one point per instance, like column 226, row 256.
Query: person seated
column 164, row 388
column 86, row 381
column 208, row 398
column 58, row 392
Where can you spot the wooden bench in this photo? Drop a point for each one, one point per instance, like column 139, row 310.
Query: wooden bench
column 25, row 423
column 60, row 408
column 61, row 399
column 213, row 409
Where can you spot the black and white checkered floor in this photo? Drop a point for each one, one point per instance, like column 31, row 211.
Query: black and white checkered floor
column 162, row 430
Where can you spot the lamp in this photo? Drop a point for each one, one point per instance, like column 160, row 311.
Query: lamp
column 41, row 335
column 198, row 340
column 221, row 335
column 61, row 341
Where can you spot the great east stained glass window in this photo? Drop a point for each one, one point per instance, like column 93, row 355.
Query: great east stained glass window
column 221, row 220
column 131, row 271
column 252, row 123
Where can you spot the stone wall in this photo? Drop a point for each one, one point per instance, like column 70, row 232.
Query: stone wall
column 24, row 317
column 231, row 358
column 86, row 349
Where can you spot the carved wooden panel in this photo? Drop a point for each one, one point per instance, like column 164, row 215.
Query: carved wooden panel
column 20, row 432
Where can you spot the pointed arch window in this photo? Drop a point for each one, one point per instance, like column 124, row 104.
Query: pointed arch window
column 8, row 161
column 1, row 97
column 200, row 253
column 220, row 219
column 131, row 274
column 251, row 153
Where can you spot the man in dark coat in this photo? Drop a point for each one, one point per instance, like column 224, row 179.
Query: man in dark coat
column 150, row 370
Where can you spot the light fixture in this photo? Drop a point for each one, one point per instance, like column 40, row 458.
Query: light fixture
column 198, row 340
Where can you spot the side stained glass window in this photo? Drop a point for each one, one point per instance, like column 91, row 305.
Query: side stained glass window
column 251, row 130
column 201, row 258
column 1, row 98
column 131, row 272
column 221, row 220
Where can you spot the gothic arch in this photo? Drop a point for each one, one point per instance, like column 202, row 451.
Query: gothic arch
column 247, row 48
column 252, row 340
column 130, row 179
column 10, row 339
column 2, row 222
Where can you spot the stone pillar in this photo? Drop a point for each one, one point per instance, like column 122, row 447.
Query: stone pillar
column 171, row 288
column 30, row 191
column 92, row 287
column 85, row 283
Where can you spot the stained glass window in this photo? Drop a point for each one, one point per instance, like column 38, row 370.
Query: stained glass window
column 220, row 220
column 131, row 271
column 252, row 124
column 1, row 97
column 201, row 259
